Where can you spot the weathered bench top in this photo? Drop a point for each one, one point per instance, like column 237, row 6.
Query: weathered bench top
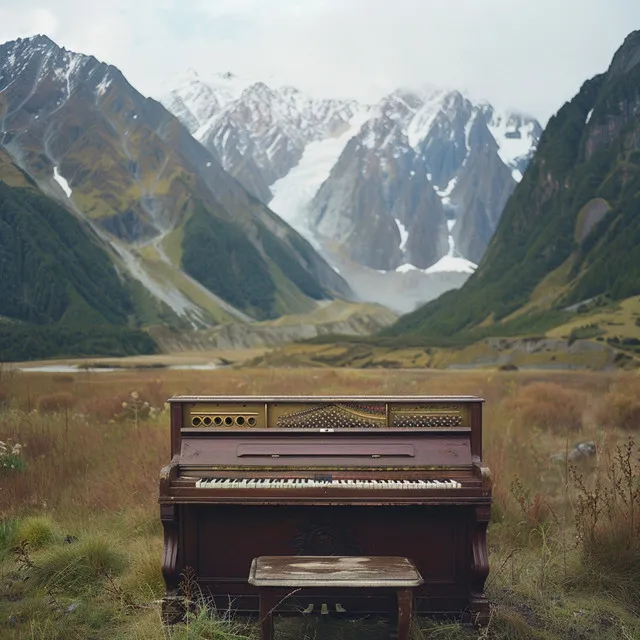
column 333, row 571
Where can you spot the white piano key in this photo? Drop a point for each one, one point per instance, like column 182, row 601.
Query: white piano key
column 373, row 484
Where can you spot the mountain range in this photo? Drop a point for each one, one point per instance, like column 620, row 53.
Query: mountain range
column 182, row 233
column 252, row 202
column 415, row 183
column 564, row 259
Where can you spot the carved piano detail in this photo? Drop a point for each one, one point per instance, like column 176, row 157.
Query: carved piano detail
column 402, row 476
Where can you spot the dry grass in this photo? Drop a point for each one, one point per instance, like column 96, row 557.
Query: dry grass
column 548, row 406
column 91, row 469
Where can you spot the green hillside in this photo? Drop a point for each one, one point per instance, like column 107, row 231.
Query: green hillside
column 569, row 233
column 227, row 263
column 59, row 291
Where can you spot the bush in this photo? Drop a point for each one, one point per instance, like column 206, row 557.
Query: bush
column 548, row 406
column 55, row 402
column 621, row 406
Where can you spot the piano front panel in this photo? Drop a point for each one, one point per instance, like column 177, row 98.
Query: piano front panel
column 218, row 530
column 250, row 451
column 221, row 541
column 325, row 414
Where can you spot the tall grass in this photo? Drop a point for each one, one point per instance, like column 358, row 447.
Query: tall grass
column 80, row 538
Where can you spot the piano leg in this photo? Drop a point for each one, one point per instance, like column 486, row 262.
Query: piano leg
column 480, row 569
column 269, row 599
column 405, row 611
column 172, row 604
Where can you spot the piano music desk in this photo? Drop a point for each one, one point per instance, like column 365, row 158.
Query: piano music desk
column 278, row 576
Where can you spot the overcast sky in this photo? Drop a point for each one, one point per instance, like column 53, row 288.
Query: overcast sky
column 528, row 54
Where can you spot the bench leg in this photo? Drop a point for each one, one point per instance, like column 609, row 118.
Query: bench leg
column 268, row 601
column 405, row 611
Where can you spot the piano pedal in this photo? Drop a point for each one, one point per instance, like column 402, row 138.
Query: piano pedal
column 324, row 610
column 340, row 608
column 308, row 609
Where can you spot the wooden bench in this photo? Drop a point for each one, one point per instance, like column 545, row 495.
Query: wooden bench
column 277, row 576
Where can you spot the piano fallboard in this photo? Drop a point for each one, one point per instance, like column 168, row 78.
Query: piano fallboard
column 272, row 449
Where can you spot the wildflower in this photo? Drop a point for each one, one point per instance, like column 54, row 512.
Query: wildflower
column 124, row 405
column 135, row 395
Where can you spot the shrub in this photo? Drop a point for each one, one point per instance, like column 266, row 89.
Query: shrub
column 548, row 406
column 55, row 402
column 618, row 409
column 62, row 378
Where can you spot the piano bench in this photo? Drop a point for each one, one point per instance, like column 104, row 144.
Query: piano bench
column 278, row 577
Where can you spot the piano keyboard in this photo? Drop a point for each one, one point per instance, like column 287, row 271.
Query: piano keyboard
column 308, row 483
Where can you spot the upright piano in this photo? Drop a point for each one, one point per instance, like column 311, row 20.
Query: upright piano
column 390, row 476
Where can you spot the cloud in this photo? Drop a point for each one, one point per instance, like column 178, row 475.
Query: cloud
column 20, row 22
column 530, row 54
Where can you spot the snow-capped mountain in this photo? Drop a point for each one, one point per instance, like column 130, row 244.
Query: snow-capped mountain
column 258, row 133
column 415, row 183
column 436, row 156
column 162, row 203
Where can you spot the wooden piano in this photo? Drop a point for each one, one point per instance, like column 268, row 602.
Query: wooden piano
column 262, row 476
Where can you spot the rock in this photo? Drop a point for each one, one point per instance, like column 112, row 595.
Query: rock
column 581, row 451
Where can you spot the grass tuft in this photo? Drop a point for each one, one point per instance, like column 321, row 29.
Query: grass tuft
column 79, row 567
column 36, row 531
column 8, row 528
column 144, row 580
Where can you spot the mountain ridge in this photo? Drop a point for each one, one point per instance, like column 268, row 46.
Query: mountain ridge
column 388, row 190
column 569, row 233
column 89, row 139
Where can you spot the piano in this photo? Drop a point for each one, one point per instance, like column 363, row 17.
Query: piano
column 262, row 476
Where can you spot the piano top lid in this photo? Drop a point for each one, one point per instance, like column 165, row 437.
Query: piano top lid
column 408, row 399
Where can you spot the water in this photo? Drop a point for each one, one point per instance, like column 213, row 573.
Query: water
column 74, row 368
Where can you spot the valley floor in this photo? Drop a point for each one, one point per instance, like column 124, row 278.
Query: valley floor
column 81, row 541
